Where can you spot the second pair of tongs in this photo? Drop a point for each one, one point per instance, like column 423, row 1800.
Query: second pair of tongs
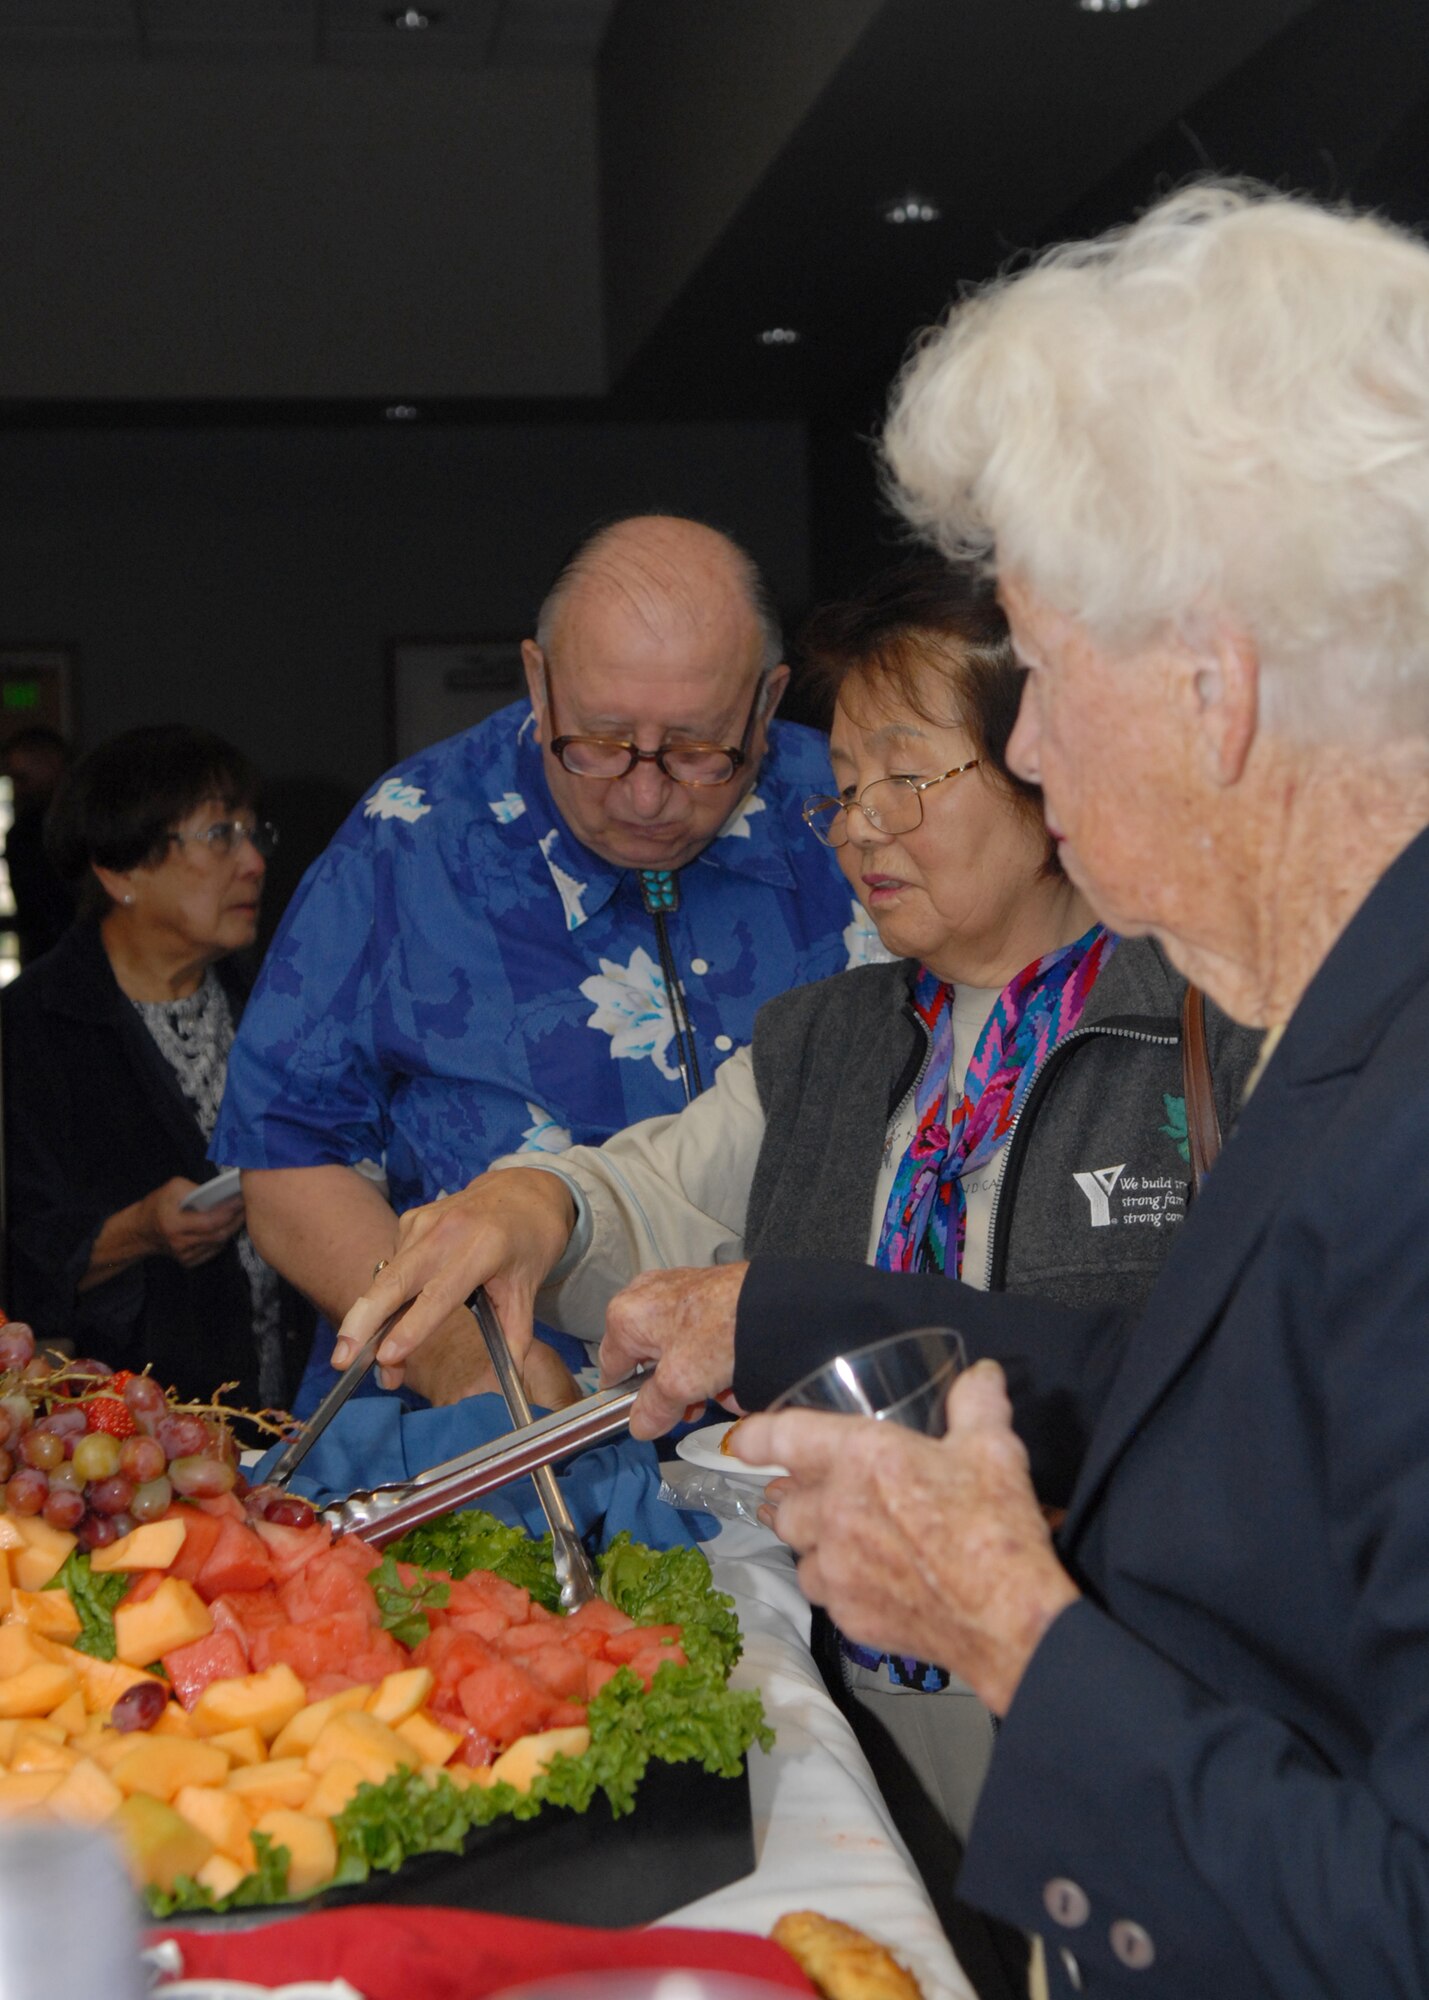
column 574, row 1571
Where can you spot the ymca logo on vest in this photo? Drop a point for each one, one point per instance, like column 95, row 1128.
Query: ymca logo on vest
column 1115, row 1196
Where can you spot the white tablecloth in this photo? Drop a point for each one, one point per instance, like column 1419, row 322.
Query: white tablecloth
column 822, row 1833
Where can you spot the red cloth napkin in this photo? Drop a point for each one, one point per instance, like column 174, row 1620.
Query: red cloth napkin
column 396, row 1953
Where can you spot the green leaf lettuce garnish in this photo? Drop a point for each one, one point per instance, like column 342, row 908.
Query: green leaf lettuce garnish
column 95, row 1599
column 460, row 1543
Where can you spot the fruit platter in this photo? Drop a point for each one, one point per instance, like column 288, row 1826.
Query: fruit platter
column 261, row 1712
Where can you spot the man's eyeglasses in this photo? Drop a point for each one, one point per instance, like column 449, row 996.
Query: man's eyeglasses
column 892, row 805
column 683, row 763
column 226, row 836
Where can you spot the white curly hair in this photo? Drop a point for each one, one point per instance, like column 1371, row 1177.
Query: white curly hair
column 1221, row 410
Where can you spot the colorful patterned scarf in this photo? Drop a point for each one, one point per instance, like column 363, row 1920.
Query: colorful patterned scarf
column 926, row 1218
column 927, row 1210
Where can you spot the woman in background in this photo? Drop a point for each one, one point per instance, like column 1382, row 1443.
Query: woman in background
column 116, row 1048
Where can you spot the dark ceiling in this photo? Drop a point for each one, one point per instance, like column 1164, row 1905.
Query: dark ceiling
column 1018, row 121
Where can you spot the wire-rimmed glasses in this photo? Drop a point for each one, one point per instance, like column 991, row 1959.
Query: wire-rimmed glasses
column 226, row 836
column 891, row 805
column 683, row 763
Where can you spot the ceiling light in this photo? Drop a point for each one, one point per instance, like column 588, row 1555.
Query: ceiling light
column 912, row 208
column 780, row 336
column 412, row 17
column 1111, row 6
column 400, row 413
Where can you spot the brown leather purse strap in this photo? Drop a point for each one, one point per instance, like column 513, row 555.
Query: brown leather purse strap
column 1203, row 1126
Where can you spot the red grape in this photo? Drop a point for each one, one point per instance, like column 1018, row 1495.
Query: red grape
column 42, row 1449
column 96, row 1531
column 141, row 1459
column 68, row 1422
column 26, row 1491
column 20, row 1410
column 182, row 1437
column 38, row 1370
column 140, row 1706
column 291, row 1510
column 142, row 1392
column 199, row 1477
column 123, row 1524
column 152, row 1500
column 65, row 1476
column 7, row 1464
column 17, row 1345
column 64, row 1508
column 111, row 1496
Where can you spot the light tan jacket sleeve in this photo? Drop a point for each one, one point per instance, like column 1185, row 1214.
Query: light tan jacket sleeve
column 666, row 1192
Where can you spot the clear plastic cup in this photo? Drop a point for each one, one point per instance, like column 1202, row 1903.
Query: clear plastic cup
column 902, row 1380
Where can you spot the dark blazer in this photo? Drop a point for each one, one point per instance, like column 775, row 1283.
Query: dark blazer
column 94, row 1120
column 1225, row 1745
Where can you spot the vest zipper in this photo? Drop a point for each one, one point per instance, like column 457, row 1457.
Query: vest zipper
column 1012, row 1167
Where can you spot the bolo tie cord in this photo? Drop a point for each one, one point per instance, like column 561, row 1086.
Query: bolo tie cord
column 660, row 892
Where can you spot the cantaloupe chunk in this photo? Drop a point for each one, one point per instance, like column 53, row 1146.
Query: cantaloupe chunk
column 71, row 1716
column 299, row 1735
column 464, row 1776
column 36, row 1752
column 46, row 1611
column 399, row 1695
column 10, row 1536
column 163, row 1765
column 43, row 1726
column 173, row 1616
column 101, row 1682
column 152, row 1545
column 336, row 1788
column 519, row 1765
column 27, row 1791
column 219, row 1813
column 86, row 1795
column 311, row 1845
column 264, row 1702
column 5, row 1584
column 376, row 1750
column 18, row 1648
column 106, row 1746
column 9, row 1730
column 174, row 1721
column 432, row 1743
column 44, row 1552
column 35, row 1690
column 244, row 1746
column 158, row 1842
column 220, row 1876
column 285, row 1781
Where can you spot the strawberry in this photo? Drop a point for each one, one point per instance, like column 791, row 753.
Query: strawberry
column 121, row 1378
column 108, row 1413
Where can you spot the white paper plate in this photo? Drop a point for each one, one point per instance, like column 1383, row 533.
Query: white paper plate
column 702, row 1448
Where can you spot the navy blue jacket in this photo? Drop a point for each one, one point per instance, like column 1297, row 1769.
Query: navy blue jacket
column 1225, row 1744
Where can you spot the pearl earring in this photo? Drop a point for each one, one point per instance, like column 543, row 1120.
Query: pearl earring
column 129, row 899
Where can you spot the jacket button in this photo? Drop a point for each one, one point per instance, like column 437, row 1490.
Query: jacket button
column 1066, row 1902
column 1132, row 1945
column 723, row 1042
column 699, row 966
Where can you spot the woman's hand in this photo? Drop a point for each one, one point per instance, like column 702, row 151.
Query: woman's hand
column 934, row 1547
column 504, row 1231
column 190, row 1236
column 681, row 1325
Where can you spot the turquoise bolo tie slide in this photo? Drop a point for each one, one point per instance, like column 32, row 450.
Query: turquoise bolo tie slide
column 660, row 890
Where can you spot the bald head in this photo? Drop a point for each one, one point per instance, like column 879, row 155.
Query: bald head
column 670, row 573
column 657, row 632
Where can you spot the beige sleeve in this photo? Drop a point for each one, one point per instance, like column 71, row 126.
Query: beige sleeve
column 666, row 1192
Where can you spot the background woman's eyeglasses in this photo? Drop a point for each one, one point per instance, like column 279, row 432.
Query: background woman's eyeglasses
column 892, row 805
column 683, row 763
column 226, row 836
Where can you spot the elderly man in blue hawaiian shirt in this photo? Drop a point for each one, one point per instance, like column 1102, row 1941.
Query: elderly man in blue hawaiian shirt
column 541, row 930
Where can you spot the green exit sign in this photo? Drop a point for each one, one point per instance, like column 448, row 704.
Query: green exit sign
column 15, row 694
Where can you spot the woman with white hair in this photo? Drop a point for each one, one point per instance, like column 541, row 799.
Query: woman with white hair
column 1197, row 454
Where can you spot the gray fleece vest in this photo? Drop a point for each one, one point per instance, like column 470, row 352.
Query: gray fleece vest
column 1096, row 1177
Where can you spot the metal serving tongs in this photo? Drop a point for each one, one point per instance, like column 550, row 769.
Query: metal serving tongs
column 574, row 1572
column 381, row 1513
column 302, row 1441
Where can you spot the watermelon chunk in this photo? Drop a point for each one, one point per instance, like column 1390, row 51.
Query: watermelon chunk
column 560, row 1670
column 239, row 1561
column 218, row 1656
column 502, row 1701
column 201, row 1533
column 624, row 1646
column 292, row 1548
